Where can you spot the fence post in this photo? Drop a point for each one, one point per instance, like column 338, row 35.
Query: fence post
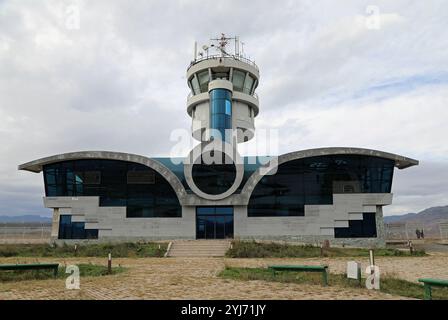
column 109, row 264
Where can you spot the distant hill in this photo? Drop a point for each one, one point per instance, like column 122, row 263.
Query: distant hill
column 429, row 218
column 24, row 218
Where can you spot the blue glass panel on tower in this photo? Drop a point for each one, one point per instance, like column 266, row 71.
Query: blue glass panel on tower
column 220, row 113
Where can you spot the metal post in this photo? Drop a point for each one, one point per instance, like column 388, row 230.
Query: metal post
column 109, row 264
column 428, row 293
column 372, row 264
column 372, row 258
column 325, row 277
column 406, row 229
column 359, row 276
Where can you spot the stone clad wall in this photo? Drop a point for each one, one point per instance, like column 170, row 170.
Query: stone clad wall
column 316, row 226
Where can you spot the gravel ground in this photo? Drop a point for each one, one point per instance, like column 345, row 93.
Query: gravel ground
column 195, row 278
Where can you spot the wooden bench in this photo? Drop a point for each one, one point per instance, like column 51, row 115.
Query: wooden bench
column 33, row 266
column 429, row 283
column 323, row 269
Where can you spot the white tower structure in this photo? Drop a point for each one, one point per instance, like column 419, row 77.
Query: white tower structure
column 222, row 93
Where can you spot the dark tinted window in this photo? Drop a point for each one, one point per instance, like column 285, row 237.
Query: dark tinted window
column 365, row 228
column 74, row 230
column 141, row 189
column 214, row 178
column 314, row 180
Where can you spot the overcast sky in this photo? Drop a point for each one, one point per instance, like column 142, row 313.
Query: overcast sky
column 329, row 77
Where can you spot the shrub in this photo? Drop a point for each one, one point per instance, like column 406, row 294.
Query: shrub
column 252, row 249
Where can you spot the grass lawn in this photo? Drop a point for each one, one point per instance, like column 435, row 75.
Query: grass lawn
column 252, row 249
column 388, row 284
column 118, row 250
column 85, row 270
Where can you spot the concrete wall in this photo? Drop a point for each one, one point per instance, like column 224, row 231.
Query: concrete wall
column 113, row 225
column 317, row 225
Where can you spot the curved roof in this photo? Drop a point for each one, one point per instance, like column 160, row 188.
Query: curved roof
column 401, row 162
column 173, row 180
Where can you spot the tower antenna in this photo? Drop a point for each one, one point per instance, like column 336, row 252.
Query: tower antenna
column 222, row 42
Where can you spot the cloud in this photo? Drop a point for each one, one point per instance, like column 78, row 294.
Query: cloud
column 118, row 82
column 416, row 187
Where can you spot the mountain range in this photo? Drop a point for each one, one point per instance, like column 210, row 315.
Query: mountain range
column 25, row 218
column 428, row 218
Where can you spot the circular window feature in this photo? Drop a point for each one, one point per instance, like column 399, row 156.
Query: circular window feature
column 214, row 170
column 214, row 178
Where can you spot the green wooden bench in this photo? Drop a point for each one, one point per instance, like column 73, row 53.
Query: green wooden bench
column 323, row 269
column 429, row 283
column 32, row 266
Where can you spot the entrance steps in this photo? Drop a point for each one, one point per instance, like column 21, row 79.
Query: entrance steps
column 198, row 248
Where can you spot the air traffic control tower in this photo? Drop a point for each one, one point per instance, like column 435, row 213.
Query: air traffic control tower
column 222, row 101
column 327, row 193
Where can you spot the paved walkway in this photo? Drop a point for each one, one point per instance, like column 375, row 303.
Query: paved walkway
column 195, row 278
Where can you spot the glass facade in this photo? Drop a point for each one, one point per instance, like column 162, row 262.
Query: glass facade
column 314, row 180
column 214, row 222
column 195, row 86
column 365, row 228
column 238, row 80
column 221, row 113
column 176, row 165
column 248, row 85
column 141, row 189
column 203, row 78
column 199, row 82
column 214, row 178
column 74, row 230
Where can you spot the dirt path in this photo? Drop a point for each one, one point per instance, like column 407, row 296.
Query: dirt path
column 195, row 278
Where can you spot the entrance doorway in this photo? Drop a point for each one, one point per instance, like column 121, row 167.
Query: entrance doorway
column 214, row 222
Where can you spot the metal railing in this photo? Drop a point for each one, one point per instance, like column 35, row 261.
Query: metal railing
column 218, row 56
column 255, row 95
column 24, row 233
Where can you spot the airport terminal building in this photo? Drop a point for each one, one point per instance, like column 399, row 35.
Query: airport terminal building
column 312, row 195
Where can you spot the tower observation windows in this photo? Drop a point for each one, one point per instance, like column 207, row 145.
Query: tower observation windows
column 238, row 80
column 248, row 85
column 204, row 79
column 195, row 85
column 242, row 81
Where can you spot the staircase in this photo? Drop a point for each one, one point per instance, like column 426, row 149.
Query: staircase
column 199, row 248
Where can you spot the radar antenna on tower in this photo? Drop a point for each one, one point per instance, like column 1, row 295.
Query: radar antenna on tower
column 222, row 43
